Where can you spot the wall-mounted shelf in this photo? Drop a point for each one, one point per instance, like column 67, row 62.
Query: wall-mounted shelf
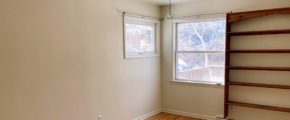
column 259, row 68
column 263, row 32
column 260, row 85
column 260, row 51
column 265, row 107
column 240, row 16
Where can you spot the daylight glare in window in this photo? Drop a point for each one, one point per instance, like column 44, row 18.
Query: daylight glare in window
column 200, row 51
column 140, row 38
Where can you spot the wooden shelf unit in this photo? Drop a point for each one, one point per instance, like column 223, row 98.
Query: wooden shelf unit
column 241, row 16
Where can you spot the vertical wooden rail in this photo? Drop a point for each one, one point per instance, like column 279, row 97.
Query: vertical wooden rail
column 227, row 63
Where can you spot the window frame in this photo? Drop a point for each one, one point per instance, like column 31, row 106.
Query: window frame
column 175, row 47
column 142, row 21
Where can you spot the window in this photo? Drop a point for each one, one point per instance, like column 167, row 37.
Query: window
column 200, row 51
column 141, row 37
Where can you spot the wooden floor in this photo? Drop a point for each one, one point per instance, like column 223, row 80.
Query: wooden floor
column 166, row 116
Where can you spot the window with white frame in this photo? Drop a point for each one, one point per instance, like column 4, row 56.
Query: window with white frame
column 200, row 51
column 141, row 37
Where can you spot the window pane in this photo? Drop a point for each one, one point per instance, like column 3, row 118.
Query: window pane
column 201, row 36
column 204, row 67
column 140, row 39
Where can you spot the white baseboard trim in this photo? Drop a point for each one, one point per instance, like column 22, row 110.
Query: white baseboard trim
column 148, row 115
column 189, row 114
column 176, row 112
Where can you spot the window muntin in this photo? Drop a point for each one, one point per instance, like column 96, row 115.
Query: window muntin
column 140, row 38
column 200, row 51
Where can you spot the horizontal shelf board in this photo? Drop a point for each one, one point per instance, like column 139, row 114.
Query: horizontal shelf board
column 259, row 68
column 262, row 32
column 260, row 85
column 261, row 51
column 240, row 16
column 265, row 107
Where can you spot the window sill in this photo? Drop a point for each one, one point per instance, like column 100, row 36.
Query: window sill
column 201, row 84
column 141, row 56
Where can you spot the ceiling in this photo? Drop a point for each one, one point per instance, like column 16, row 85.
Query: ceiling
column 165, row 2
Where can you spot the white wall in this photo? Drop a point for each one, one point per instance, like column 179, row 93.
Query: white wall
column 208, row 100
column 63, row 60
